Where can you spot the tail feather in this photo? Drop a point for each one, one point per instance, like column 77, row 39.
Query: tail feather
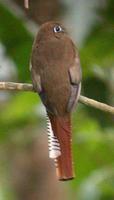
column 53, row 144
column 61, row 127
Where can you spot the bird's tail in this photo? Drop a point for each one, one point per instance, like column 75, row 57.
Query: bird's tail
column 61, row 146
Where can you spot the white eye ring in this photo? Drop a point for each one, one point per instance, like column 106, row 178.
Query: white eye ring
column 57, row 29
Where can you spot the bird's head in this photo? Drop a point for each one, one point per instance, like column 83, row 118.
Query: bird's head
column 52, row 29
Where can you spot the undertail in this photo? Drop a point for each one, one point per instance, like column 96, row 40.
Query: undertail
column 60, row 145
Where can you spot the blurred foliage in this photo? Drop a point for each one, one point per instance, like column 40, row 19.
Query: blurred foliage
column 93, row 130
column 18, row 113
column 97, row 60
column 18, row 43
column 17, row 40
column 96, row 133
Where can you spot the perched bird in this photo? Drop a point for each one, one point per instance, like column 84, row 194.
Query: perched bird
column 56, row 77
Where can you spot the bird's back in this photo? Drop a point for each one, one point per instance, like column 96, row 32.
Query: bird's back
column 52, row 65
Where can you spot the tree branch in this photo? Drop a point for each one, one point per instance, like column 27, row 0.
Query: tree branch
column 16, row 86
column 96, row 104
column 26, row 3
column 82, row 99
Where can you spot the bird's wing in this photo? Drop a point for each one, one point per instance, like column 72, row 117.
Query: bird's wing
column 75, row 76
column 36, row 81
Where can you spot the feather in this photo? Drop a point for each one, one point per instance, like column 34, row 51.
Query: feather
column 75, row 73
column 74, row 96
column 61, row 127
column 53, row 144
column 75, row 76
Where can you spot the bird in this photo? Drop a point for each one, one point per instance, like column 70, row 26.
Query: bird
column 56, row 76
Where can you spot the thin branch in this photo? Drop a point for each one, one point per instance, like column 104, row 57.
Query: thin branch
column 96, row 104
column 82, row 99
column 26, row 2
column 16, row 86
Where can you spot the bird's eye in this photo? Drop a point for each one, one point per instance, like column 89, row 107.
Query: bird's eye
column 57, row 29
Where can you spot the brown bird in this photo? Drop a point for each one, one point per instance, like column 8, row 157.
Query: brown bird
column 56, row 76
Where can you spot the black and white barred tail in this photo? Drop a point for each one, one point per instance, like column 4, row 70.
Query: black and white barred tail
column 53, row 143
